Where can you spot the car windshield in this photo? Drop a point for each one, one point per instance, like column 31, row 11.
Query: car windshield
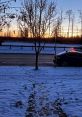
column 62, row 53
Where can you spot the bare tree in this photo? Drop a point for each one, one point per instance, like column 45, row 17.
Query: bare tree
column 73, row 25
column 56, row 29
column 37, row 16
column 80, row 12
column 69, row 13
column 4, row 5
column 60, row 23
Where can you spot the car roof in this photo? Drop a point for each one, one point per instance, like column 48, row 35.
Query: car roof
column 69, row 51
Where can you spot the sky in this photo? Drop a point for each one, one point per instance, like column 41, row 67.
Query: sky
column 64, row 5
column 70, row 4
column 75, row 5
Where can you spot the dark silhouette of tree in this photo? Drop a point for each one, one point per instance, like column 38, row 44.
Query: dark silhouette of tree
column 73, row 25
column 37, row 16
column 4, row 5
column 80, row 15
column 69, row 14
column 57, row 28
column 56, row 32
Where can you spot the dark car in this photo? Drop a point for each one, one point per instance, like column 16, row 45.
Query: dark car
column 68, row 58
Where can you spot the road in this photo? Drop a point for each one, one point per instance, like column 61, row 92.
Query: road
column 25, row 59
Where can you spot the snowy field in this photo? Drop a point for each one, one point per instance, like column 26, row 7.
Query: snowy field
column 48, row 92
column 19, row 49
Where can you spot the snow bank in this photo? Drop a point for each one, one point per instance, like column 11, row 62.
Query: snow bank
column 19, row 86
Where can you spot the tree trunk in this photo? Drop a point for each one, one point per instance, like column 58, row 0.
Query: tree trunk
column 36, row 62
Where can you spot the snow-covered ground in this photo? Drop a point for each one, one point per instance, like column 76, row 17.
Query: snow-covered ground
column 7, row 49
column 25, row 92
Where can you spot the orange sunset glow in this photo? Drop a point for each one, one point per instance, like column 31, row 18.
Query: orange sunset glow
column 64, row 27
column 14, row 32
